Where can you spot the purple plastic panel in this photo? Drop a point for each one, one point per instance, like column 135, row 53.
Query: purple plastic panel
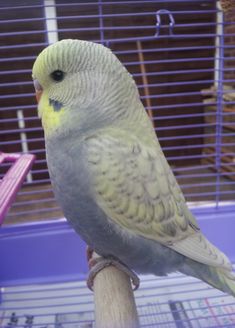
column 52, row 251
column 13, row 179
column 41, row 252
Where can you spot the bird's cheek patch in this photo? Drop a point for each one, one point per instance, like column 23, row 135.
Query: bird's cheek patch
column 51, row 113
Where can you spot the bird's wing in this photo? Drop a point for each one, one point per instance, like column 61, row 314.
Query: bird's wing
column 135, row 187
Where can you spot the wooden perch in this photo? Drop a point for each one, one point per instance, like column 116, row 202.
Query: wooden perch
column 114, row 300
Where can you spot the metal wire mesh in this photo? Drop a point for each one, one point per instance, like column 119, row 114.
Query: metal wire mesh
column 181, row 55
column 174, row 302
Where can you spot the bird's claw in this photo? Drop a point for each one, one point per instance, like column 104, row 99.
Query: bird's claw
column 98, row 264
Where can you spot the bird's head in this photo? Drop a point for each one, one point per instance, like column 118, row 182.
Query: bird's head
column 80, row 84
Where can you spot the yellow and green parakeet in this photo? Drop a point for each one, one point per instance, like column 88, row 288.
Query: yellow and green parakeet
column 108, row 171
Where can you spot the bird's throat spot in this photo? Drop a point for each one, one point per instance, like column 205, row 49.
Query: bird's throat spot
column 55, row 104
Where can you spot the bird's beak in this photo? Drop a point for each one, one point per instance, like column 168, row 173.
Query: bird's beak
column 38, row 89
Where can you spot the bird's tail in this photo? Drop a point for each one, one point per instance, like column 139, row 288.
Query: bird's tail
column 217, row 277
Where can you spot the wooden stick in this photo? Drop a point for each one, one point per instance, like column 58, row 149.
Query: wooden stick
column 144, row 79
column 114, row 300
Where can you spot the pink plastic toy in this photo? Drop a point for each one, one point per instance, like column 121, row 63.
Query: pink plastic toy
column 13, row 179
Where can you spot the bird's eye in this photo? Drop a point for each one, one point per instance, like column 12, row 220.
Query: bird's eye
column 57, row 75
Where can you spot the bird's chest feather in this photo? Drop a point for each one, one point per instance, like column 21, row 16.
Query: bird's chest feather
column 71, row 181
column 72, row 185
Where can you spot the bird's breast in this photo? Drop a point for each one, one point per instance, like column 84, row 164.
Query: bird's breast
column 71, row 182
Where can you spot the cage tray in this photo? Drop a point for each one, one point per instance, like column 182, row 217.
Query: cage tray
column 173, row 302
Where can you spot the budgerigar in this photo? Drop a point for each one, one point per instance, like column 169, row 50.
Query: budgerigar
column 108, row 171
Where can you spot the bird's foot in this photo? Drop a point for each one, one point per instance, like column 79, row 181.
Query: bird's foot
column 99, row 263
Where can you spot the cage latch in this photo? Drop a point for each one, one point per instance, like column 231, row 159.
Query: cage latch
column 159, row 21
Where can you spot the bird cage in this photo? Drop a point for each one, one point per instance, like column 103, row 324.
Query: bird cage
column 182, row 57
